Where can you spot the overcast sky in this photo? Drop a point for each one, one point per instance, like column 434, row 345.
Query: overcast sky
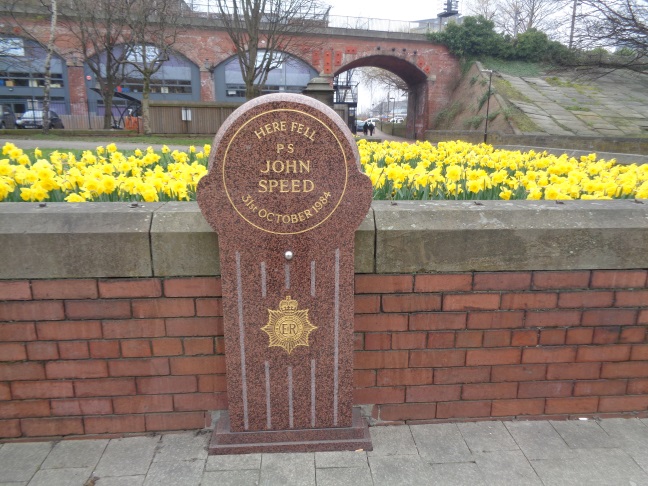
column 387, row 9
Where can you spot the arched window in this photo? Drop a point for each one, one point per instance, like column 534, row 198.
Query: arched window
column 291, row 76
column 178, row 79
column 22, row 76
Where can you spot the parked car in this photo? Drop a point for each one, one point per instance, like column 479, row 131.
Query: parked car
column 397, row 119
column 34, row 119
column 8, row 119
column 359, row 124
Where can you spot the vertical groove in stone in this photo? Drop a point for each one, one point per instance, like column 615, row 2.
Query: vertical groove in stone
column 239, row 295
column 267, row 383
column 290, row 398
column 336, row 325
column 312, row 392
column 313, row 278
column 287, row 267
column 264, row 289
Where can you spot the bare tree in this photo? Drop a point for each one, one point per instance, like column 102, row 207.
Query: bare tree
column 517, row 16
column 485, row 8
column 615, row 24
column 382, row 79
column 264, row 31
column 53, row 8
column 14, row 25
column 154, row 26
column 99, row 27
column 613, row 34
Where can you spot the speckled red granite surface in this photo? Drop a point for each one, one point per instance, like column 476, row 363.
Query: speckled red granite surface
column 284, row 177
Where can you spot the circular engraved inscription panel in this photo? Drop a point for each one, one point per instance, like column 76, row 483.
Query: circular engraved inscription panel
column 285, row 171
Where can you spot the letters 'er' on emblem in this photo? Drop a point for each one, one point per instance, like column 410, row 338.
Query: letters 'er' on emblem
column 285, row 194
column 288, row 327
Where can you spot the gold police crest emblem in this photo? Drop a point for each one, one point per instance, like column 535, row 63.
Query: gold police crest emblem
column 288, row 327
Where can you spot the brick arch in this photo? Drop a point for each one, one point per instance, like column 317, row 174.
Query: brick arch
column 429, row 70
column 406, row 70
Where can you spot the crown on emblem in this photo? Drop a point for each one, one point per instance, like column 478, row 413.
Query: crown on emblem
column 288, row 304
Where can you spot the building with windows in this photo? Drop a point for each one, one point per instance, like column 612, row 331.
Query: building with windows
column 177, row 79
column 290, row 76
column 22, row 76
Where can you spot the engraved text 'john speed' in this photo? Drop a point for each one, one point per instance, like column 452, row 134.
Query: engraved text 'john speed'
column 277, row 177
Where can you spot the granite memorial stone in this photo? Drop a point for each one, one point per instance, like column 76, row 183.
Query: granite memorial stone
column 285, row 194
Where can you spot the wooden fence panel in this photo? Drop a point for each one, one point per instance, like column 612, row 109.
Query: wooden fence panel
column 82, row 122
column 204, row 119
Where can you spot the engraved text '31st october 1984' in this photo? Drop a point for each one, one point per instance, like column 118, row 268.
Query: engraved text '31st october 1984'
column 285, row 174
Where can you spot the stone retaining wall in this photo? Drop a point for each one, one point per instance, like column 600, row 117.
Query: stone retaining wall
column 111, row 315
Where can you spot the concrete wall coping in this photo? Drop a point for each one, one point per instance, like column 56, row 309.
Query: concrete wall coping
column 63, row 240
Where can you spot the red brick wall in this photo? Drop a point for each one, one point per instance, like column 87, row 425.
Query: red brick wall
column 112, row 356
column 103, row 356
column 502, row 345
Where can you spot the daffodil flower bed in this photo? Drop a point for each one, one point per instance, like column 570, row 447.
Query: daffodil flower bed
column 460, row 170
column 449, row 170
column 105, row 174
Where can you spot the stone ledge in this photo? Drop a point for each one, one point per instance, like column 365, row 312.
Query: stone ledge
column 64, row 240
column 75, row 240
column 457, row 236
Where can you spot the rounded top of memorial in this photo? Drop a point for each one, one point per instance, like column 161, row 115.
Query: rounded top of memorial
column 284, row 164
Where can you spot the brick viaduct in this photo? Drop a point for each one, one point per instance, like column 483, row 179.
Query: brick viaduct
column 429, row 70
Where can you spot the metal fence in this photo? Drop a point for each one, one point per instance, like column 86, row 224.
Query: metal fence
column 209, row 9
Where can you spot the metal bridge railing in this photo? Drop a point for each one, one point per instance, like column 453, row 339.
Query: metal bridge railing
column 209, row 9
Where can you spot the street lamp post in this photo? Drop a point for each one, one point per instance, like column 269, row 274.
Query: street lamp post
column 393, row 110
column 490, row 80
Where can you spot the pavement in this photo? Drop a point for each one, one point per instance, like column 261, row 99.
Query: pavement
column 576, row 452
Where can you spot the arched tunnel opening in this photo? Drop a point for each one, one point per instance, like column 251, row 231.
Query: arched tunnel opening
column 410, row 79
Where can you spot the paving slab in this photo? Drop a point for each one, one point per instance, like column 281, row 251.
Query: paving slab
column 233, row 462
column 127, row 457
column 641, row 458
column 538, row 440
column 439, row 443
column 61, row 477
column 564, row 472
column 19, row 462
column 487, row 436
column 175, row 473
column 458, row 474
column 630, row 434
column 182, row 447
column 407, row 470
column 230, row 478
column 584, row 434
column 391, row 441
column 121, row 481
column 613, row 466
column 75, row 454
column 507, row 468
column 344, row 459
column 607, row 452
column 288, row 469
column 344, row 476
